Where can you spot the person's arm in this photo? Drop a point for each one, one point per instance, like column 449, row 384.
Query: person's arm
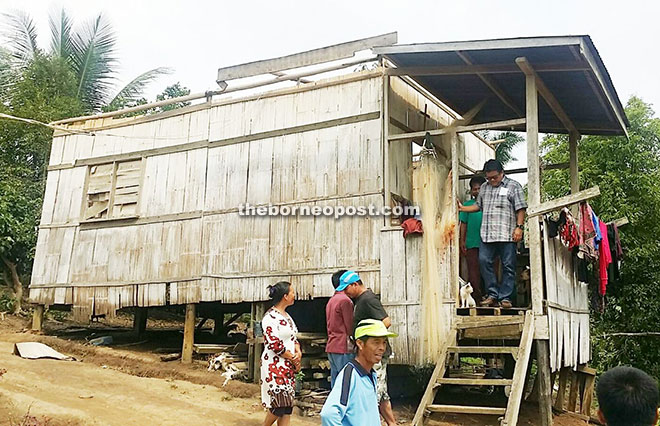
column 463, row 236
column 468, row 209
column 334, row 409
column 346, row 311
column 378, row 312
column 520, row 206
column 273, row 342
column 520, row 220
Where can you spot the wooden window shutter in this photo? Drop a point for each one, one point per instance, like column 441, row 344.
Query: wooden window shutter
column 98, row 191
column 127, row 186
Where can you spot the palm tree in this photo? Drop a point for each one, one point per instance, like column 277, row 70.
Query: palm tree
column 504, row 149
column 89, row 52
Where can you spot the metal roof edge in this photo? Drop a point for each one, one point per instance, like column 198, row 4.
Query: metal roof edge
column 589, row 51
column 503, row 43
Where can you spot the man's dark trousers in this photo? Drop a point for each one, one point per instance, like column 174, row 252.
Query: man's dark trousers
column 506, row 251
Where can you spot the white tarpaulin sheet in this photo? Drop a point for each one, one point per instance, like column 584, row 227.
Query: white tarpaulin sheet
column 36, row 350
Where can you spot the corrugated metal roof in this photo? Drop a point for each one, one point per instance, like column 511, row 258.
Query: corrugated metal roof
column 464, row 73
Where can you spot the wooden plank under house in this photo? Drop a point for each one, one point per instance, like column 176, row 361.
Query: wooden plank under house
column 148, row 211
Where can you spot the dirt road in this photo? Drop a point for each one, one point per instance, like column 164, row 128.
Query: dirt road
column 118, row 386
column 84, row 393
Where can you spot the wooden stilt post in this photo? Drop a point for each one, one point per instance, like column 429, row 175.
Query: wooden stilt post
column 218, row 324
column 534, row 195
column 536, row 267
column 38, row 318
column 573, row 138
column 259, row 311
column 253, row 337
column 139, row 321
column 573, row 394
column 563, row 384
column 455, row 253
column 386, row 145
column 545, row 386
column 188, row 334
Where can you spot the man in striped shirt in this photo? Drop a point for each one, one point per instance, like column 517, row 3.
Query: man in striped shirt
column 502, row 202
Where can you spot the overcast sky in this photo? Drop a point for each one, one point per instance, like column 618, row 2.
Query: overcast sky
column 197, row 37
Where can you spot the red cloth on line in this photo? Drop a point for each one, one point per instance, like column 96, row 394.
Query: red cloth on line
column 604, row 259
column 587, row 232
column 339, row 321
column 412, row 226
column 569, row 232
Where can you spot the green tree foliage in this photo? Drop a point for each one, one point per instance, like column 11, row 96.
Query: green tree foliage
column 626, row 170
column 74, row 77
column 171, row 92
column 90, row 53
column 43, row 90
column 503, row 151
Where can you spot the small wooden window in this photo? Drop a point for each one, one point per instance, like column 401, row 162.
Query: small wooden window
column 113, row 190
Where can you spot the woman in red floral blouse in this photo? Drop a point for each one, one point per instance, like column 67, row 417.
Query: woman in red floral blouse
column 281, row 357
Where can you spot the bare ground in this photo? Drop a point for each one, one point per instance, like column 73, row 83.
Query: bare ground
column 115, row 386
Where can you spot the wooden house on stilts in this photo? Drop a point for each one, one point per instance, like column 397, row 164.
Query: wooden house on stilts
column 146, row 211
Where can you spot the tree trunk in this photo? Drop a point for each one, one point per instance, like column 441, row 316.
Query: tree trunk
column 16, row 285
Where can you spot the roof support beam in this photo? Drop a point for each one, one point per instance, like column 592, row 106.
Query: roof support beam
column 486, row 69
column 303, row 59
column 461, row 129
column 550, row 99
column 544, row 167
column 492, row 85
column 559, row 203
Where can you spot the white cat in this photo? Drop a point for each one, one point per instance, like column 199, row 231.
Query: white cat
column 467, row 301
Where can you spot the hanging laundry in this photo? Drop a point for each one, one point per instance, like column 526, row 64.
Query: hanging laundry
column 412, row 226
column 568, row 232
column 587, row 233
column 583, row 270
column 605, row 258
column 616, row 252
column 596, row 223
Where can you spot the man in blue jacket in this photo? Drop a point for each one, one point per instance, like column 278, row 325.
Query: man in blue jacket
column 353, row 399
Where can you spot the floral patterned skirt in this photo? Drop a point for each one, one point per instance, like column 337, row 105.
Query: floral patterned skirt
column 278, row 386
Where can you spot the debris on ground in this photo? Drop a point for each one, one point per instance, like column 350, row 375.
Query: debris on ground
column 36, row 350
column 311, row 401
column 101, row 341
column 232, row 362
column 170, row 357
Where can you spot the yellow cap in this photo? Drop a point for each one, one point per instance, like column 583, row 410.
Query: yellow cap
column 372, row 328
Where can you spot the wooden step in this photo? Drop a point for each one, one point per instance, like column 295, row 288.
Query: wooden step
column 463, row 323
column 490, row 327
column 489, row 311
column 465, row 409
column 473, row 382
column 483, row 349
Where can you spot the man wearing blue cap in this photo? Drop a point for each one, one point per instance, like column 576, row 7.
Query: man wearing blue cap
column 368, row 306
column 339, row 322
column 353, row 400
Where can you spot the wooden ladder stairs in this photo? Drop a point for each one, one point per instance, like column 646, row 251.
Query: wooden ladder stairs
column 493, row 327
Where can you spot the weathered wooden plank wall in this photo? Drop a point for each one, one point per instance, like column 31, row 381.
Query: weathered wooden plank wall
column 400, row 278
column 401, row 261
column 568, row 307
column 189, row 238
